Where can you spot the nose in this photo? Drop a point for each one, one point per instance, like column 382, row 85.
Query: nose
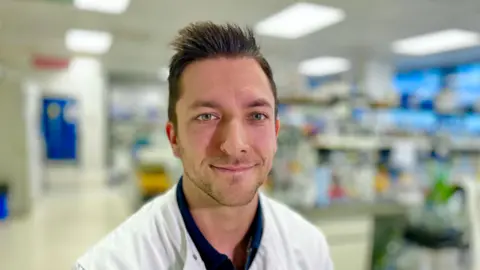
column 234, row 139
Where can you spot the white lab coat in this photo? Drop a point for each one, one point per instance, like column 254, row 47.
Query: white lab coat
column 155, row 238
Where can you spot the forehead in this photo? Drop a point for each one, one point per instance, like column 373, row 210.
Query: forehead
column 225, row 80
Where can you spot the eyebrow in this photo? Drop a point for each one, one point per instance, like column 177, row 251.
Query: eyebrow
column 204, row 104
column 211, row 104
column 259, row 103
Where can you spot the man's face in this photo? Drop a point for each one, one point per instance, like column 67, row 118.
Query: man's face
column 227, row 129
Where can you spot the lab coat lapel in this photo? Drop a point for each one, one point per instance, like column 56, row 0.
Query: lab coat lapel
column 193, row 261
column 270, row 255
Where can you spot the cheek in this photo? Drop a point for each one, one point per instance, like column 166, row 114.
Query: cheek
column 265, row 141
column 196, row 139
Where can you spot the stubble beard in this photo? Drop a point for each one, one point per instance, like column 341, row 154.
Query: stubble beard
column 220, row 198
column 206, row 187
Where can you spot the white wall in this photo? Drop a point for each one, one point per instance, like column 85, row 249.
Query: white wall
column 378, row 79
column 85, row 81
column 14, row 161
column 35, row 143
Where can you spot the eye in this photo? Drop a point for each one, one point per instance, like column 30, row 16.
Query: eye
column 258, row 116
column 206, row 117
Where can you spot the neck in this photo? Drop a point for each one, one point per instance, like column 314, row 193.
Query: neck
column 224, row 227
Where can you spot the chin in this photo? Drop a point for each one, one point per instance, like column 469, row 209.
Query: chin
column 237, row 200
column 236, row 191
column 235, row 188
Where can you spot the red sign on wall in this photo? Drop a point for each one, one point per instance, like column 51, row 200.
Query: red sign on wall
column 50, row 62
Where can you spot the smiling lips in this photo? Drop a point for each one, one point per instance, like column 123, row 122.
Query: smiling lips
column 232, row 168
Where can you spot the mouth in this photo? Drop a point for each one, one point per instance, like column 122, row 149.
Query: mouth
column 232, row 168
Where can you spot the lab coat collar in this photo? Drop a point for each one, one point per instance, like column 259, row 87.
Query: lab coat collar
column 269, row 255
column 211, row 257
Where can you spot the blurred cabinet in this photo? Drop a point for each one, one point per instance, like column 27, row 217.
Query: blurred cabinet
column 350, row 241
column 350, row 256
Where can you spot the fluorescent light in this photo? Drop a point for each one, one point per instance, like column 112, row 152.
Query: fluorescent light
column 163, row 73
column 437, row 42
column 323, row 66
column 104, row 6
column 86, row 41
column 298, row 20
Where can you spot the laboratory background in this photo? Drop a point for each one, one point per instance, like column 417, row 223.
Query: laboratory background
column 379, row 102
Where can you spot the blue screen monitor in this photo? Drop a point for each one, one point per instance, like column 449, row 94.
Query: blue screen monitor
column 421, row 86
column 472, row 124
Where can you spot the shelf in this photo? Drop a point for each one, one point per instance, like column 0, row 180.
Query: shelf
column 372, row 142
column 345, row 210
column 346, row 142
column 363, row 142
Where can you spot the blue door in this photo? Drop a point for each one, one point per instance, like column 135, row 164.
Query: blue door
column 59, row 122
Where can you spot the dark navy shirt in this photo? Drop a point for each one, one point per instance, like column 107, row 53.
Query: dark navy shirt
column 212, row 259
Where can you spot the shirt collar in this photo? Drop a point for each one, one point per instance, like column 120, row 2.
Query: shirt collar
column 210, row 256
column 256, row 232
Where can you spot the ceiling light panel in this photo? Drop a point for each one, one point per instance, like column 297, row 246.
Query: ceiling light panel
column 437, row 42
column 86, row 41
column 103, row 6
column 323, row 66
column 299, row 20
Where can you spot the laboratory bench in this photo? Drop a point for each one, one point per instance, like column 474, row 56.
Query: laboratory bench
column 358, row 233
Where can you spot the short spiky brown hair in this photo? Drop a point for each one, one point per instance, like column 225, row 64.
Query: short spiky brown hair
column 206, row 40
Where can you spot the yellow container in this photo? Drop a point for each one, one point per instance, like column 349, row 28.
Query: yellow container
column 153, row 181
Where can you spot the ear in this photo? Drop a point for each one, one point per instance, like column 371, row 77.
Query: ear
column 277, row 129
column 277, row 126
column 173, row 138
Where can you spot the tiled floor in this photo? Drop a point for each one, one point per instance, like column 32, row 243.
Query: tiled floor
column 61, row 227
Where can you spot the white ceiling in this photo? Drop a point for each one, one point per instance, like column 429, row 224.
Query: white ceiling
column 142, row 33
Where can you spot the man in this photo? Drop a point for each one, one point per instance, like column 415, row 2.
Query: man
column 223, row 126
